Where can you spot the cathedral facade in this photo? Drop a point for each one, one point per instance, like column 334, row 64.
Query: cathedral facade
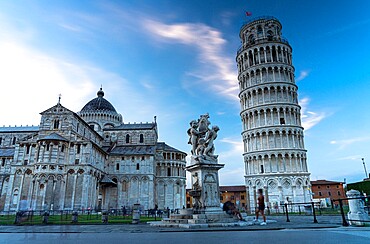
column 274, row 154
column 89, row 159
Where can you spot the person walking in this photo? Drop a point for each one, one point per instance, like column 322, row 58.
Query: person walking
column 261, row 206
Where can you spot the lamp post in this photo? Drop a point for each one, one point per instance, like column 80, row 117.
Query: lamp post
column 363, row 162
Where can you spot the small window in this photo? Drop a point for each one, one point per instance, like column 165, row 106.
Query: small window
column 338, row 193
column 62, row 149
column 3, row 162
column 328, row 187
column 259, row 30
column 47, row 147
column 14, row 140
column 56, row 124
column 337, row 187
column 132, row 158
column 142, row 158
column 242, row 197
column 77, row 161
column 1, row 139
column 92, row 126
column 117, row 167
column 329, row 193
column 28, row 149
column 318, row 187
column 232, row 197
column 320, row 194
column 187, row 198
column 262, row 170
column 127, row 138
column 168, row 171
column 141, row 138
column 282, row 121
column 137, row 166
column 25, row 162
column 78, row 149
column 123, row 158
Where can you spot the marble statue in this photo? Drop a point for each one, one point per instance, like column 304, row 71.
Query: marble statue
column 201, row 137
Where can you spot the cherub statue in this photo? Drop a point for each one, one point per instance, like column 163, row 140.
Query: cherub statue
column 210, row 137
column 193, row 136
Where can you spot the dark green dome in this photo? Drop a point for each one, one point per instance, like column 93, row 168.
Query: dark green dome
column 98, row 104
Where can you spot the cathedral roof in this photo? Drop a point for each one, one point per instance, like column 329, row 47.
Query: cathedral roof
column 163, row 146
column 19, row 129
column 145, row 126
column 133, row 150
column 54, row 137
column 6, row 152
column 98, row 104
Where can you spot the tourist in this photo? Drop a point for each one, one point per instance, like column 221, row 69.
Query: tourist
column 261, row 206
column 230, row 208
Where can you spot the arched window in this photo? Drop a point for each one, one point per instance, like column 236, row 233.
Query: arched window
column 137, row 166
column 269, row 35
column 14, row 140
column 259, row 30
column 117, row 166
column 251, row 39
column 127, row 138
column 141, row 138
column 56, row 124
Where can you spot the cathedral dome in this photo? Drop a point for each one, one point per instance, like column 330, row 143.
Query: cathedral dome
column 99, row 104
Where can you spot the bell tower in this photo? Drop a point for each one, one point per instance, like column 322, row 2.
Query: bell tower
column 274, row 154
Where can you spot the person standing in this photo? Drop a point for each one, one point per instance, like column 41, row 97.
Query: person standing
column 261, row 206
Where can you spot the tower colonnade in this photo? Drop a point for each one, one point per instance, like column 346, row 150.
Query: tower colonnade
column 274, row 154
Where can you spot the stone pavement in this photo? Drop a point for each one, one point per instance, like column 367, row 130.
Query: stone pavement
column 296, row 222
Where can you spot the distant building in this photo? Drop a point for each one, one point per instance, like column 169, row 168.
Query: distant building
column 274, row 153
column 89, row 159
column 329, row 190
column 234, row 194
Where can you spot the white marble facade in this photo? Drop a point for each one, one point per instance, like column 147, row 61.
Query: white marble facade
column 89, row 159
column 274, row 153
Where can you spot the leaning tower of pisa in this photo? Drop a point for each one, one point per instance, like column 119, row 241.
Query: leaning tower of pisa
column 274, row 153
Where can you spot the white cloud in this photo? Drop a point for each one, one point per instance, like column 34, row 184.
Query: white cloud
column 221, row 76
column 302, row 75
column 309, row 118
column 347, row 142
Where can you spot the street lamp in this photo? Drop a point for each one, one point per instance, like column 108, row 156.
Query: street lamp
column 363, row 162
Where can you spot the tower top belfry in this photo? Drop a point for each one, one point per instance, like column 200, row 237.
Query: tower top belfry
column 274, row 153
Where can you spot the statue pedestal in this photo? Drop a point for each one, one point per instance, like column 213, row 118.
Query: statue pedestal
column 357, row 213
column 205, row 184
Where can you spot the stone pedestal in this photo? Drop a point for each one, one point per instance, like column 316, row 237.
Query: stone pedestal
column 205, row 184
column 356, row 209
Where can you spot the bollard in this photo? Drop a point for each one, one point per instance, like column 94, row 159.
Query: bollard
column 45, row 217
column 136, row 214
column 104, row 217
column 344, row 221
column 313, row 212
column 74, row 217
column 286, row 212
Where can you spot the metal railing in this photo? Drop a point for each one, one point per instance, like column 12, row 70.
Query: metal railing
column 70, row 216
column 344, row 220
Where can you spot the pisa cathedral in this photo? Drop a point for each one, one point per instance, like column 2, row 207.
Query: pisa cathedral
column 274, row 153
column 89, row 159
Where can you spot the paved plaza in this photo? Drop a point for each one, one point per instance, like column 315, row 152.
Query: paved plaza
column 296, row 222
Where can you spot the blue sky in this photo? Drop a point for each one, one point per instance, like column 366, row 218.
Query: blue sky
column 176, row 60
